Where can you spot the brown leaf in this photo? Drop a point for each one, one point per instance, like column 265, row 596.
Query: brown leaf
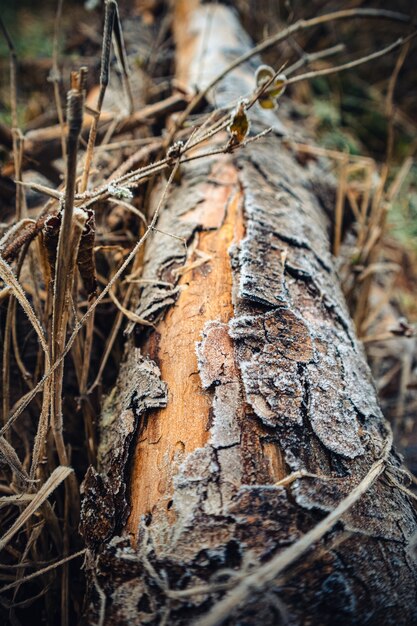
column 239, row 126
column 86, row 259
column 268, row 98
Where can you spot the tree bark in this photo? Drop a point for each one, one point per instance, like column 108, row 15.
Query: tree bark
column 252, row 373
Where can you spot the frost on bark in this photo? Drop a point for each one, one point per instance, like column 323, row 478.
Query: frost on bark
column 253, row 372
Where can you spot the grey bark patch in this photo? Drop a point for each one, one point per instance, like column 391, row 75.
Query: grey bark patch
column 139, row 388
column 217, row 368
column 378, row 513
column 358, row 380
column 214, row 355
column 269, row 347
column 330, row 410
column 283, row 332
column 261, row 247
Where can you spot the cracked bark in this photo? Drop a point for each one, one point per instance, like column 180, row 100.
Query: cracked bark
column 253, row 371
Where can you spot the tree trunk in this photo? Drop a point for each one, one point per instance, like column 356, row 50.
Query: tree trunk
column 252, row 375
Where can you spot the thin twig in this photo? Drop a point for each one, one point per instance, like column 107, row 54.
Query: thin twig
column 110, row 11
column 16, row 132
column 43, row 571
column 67, row 250
column 121, row 56
column 401, row 41
column 55, row 76
column 311, row 57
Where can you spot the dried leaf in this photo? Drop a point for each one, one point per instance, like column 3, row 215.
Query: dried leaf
column 240, row 124
column 50, row 235
column 268, row 98
column 263, row 74
column 86, row 259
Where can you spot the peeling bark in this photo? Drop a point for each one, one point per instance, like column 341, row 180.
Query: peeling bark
column 261, row 376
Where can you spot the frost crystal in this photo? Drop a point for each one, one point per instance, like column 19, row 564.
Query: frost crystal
column 122, row 193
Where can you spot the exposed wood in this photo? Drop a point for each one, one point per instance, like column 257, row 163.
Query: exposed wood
column 252, row 373
column 205, row 294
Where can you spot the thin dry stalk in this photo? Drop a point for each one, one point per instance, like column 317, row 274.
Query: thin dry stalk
column 26, row 376
column 21, row 499
column 55, row 479
column 111, row 17
column 9, row 278
column 353, row 204
column 112, row 338
column 65, row 570
column 340, row 201
column 10, row 335
column 9, row 456
column 399, row 180
column 33, row 537
column 10, row 316
column 81, row 370
column 120, row 49
column 311, row 57
column 42, row 571
column 110, row 12
column 130, row 315
column 65, row 260
column 16, row 133
column 7, row 275
column 55, row 76
column 71, row 229
column 389, row 106
column 401, row 41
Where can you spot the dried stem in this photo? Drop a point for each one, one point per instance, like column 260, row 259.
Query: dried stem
column 341, row 193
column 67, row 250
column 16, row 132
column 311, row 57
column 43, row 571
column 121, row 55
column 110, row 12
column 401, row 41
column 55, row 76
column 55, row 479
column 11, row 310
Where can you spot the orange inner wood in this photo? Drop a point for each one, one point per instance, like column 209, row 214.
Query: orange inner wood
column 173, row 432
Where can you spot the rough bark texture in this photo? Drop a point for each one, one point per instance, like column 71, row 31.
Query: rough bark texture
column 253, row 372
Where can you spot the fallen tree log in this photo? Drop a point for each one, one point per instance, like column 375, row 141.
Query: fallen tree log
column 248, row 413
